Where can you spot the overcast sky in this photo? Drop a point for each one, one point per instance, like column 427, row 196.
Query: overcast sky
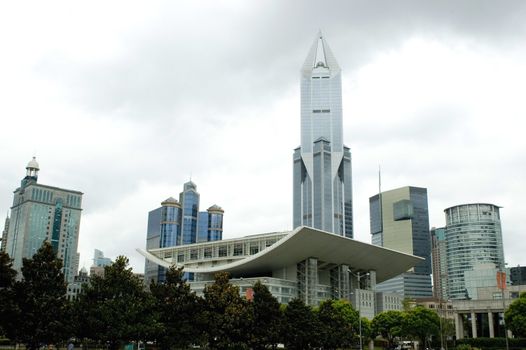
column 125, row 101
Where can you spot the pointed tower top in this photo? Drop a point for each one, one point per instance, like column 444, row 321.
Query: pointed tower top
column 190, row 185
column 320, row 57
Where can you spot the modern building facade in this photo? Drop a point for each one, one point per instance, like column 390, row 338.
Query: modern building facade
column 99, row 259
column 322, row 179
column 484, row 317
column 439, row 262
column 178, row 223
column 99, row 262
column 4, row 234
column 518, row 276
column 41, row 213
column 474, row 248
column 304, row 263
column 399, row 220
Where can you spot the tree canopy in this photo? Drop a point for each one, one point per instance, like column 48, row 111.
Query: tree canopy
column 115, row 308
column 40, row 300
column 228, row 316
column 388, row 324
column 268, row 318
column 515, row 316
column 178, row 310
column 300, row 326
column 421, row 323
column 7, row 280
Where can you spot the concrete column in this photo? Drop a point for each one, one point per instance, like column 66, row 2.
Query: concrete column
column 459, row 326
column 490, row 322
column 372, row 279
column 474, row 324
column 371, row 345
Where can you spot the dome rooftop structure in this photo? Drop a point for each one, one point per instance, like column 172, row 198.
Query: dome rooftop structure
column 216, row 207
column 33, row 164
column 32, row 169
column 170, row 201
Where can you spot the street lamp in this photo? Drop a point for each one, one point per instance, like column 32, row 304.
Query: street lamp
column 501, row 284
column 359, row 301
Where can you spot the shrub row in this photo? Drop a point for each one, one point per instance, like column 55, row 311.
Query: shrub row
column 491, row 343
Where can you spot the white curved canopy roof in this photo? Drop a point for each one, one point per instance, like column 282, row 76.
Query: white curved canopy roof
column 305, row 242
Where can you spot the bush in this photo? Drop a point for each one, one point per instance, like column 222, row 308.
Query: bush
column 463, row 347
column 492, row 343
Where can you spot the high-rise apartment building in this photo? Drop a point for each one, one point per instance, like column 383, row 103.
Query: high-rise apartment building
column 4, row 234
column 322, row 183
column 178, row 223
column 474, row 248
column 439, row 262
column 400, row 221
column 40, row 213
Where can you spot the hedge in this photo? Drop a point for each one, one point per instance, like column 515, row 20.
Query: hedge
column 485, row 343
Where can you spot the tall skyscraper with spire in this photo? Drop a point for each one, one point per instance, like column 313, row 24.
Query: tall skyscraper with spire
column 41, row 213
column 322, row 184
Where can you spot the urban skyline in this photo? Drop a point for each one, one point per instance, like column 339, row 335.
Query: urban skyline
column 103, row 108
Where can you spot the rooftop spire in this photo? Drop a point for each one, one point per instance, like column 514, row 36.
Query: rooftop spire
column 320, row 56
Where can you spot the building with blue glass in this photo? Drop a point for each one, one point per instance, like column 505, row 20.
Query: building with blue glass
column 474, row 248
column 44, row 213
column 400, row 220
column 178, row 223
column 322, row 183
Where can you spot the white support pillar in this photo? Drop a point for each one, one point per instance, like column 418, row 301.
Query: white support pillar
column 459, row 326
column 490, row 323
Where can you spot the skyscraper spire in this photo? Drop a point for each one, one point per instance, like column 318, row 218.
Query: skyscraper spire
column 320, row 52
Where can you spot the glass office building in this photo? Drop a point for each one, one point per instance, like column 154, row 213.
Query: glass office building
column 474, row 248
column 178, row 223
column 44, row 213
column 399, row 219
column 322, row 184
column 439, row 261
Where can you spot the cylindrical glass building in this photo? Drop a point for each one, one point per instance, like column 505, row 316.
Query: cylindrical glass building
column 215, row 223
column 474, row 243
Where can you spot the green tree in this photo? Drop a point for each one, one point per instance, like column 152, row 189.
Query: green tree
column 421, row 323
column 40, row 299
column 228, row 316
column 300, row 326
column 335, row 329
column 388, row 325
column 115, row 308
column 178, row 309
column 515, row 316
column 7, row 280
column 367, row 331
column 267, row 318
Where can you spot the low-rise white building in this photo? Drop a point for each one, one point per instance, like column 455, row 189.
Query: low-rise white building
column 304, row 263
